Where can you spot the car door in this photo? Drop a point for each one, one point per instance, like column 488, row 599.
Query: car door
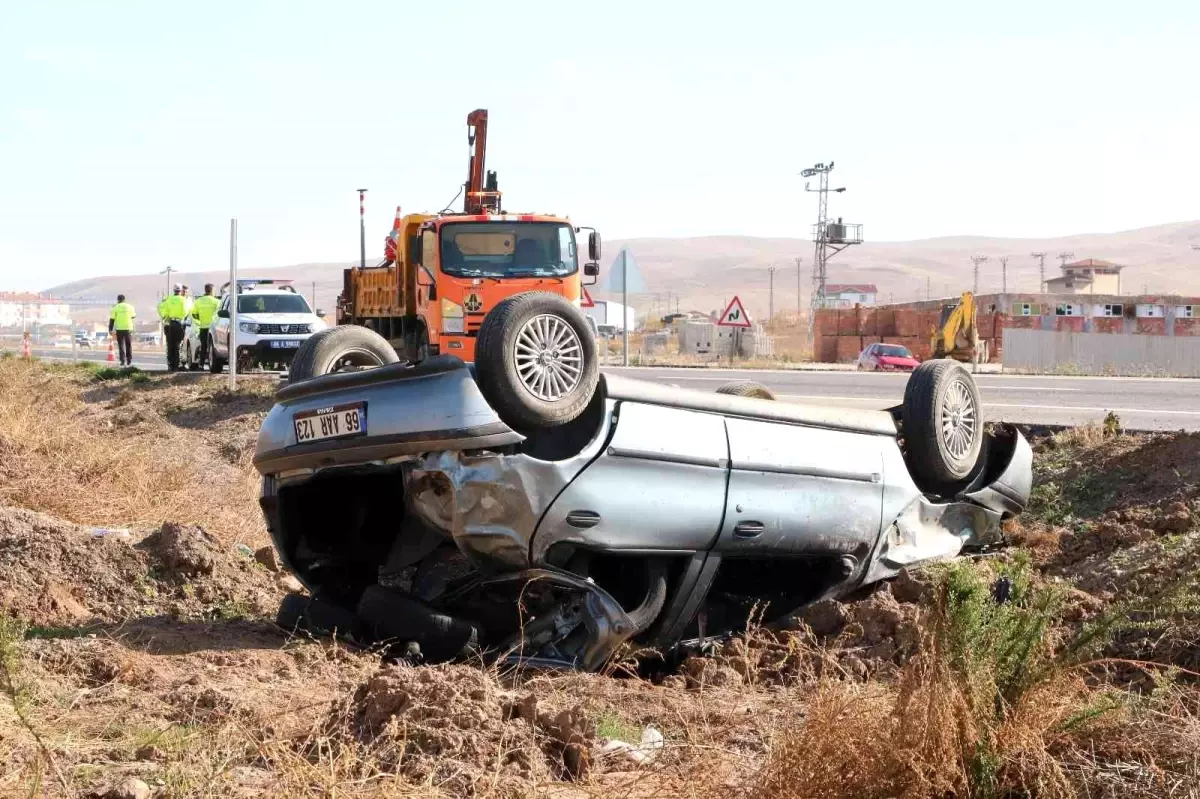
column 800, row 490
column 658, row 486
column 220, row 328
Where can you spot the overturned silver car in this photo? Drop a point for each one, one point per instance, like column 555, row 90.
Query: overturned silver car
column 436, row 507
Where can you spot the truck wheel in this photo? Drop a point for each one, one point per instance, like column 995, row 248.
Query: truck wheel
column 343, row 348
column 535, row 361
column 747, row 388
column 943, row 426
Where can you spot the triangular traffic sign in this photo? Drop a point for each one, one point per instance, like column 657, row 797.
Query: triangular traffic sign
column 735, row 315
column 586, row 300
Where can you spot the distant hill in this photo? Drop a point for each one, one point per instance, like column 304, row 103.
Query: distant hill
column 704, row 273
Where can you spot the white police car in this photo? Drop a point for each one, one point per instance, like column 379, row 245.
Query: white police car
column 273, row 320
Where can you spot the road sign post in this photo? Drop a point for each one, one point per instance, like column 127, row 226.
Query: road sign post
column 734, row 316
column 233, row 302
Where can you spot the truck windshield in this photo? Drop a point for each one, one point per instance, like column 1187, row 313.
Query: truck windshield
column 272, row 303
column 508, row 249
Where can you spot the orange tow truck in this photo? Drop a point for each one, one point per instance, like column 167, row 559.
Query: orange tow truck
column 443, row 272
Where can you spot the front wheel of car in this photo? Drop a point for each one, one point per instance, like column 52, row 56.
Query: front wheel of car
column 747, row 388
column 344, row 348
column 943, row 422
column 535, row 361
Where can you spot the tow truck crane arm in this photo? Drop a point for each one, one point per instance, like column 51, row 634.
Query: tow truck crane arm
column 479, row 198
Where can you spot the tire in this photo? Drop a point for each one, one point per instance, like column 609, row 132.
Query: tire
column 747, row 388
column 526, row 392
column 215, row 363
column 943, row 428
column 338, row 347
column 388, row 614
column 315, row 615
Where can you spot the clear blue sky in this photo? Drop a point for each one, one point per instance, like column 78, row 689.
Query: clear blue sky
column 130, row 132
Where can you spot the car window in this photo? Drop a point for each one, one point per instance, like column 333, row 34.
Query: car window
column 895, row 351
column 272, row 303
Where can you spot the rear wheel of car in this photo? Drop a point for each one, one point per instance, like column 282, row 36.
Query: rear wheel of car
column 215, row 364
column 535, row 361
column 345, row 348
column 943, row 425
column 747, row 388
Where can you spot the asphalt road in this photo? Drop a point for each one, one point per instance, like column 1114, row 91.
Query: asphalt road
column 1141, row 403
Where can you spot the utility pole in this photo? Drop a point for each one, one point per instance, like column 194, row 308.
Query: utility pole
column 1004, row 274
column 798, row 292
column 168, row 272
column 977, row 260
column 1066, row 256
column 362, row 229
column 928, row 291
column 1041, row 256
column 829, row 238
column 771, row 295
column 314, row 295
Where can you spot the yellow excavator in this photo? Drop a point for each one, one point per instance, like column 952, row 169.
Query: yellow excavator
column 957, row 335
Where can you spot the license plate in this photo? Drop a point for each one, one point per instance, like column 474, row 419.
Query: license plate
column 339, row 421
column 280, row 345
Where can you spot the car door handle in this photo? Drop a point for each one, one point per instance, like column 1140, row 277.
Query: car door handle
column 583, row 519
column 748, row 529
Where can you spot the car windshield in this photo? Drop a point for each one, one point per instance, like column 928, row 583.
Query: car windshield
column 508, row 249
column 283, row 302
column 895, row 351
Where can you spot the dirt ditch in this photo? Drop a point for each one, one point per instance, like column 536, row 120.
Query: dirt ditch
column 152, row 657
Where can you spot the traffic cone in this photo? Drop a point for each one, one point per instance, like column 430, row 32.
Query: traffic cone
column 110, row 357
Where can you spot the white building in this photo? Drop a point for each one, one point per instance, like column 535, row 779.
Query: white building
column 847, row 295
column 27, row 310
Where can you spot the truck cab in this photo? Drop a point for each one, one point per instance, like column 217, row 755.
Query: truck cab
column 443, row 272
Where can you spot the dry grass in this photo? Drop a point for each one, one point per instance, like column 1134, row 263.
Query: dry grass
column 117, row 460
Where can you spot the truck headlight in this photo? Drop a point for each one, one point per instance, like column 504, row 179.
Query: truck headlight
column 452, row 317
column 248, row 327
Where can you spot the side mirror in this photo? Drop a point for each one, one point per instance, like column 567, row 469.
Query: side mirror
column 223, row 313
column 320, row 313
column 591, row 270
column 594, row 246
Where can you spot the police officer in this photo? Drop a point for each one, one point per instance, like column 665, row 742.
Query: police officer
column 174, row 311
column 203, row 310
column 120, row 324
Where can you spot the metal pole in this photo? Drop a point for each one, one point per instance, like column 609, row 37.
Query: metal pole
column 928, row 291
column 771, row 296
column 233, row 303
column 1004, row 274
column 314, row 295
column 798, row 291
column 362, row 229
column 624, row 309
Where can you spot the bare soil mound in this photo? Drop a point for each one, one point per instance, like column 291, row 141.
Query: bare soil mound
column 455, row 726
column 57, row 574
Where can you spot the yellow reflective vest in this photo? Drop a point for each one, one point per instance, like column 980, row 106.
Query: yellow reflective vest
column 204, row 309
column 122, row 316
column 174, row 308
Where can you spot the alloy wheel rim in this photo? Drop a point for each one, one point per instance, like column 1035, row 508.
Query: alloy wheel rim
column 960, row 419
column 549, row 357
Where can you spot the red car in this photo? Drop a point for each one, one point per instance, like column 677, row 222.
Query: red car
column 887, row 358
